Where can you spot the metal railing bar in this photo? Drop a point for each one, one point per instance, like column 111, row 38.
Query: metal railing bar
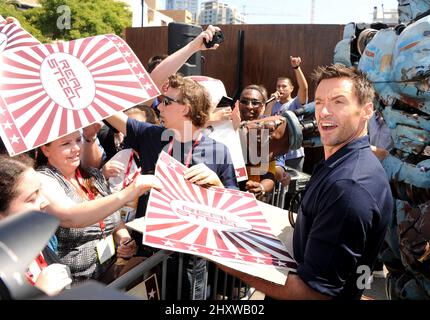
column 127, row 278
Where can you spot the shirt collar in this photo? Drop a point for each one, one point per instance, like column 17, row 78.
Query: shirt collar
column 340, row 154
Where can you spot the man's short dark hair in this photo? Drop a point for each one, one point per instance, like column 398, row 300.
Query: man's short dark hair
column 259, row 88
column 286, row 79
column 362, row 86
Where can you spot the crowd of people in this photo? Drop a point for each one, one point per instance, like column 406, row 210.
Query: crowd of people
column 82, row 178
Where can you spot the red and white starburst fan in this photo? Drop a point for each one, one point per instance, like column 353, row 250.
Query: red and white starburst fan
column 48, row 91
column 220, row 223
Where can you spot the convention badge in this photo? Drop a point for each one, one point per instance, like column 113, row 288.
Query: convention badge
column 105, row 249
column 127, row 213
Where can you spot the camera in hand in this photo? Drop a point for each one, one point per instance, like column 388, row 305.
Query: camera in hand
column 218, row 37
column 225, row 102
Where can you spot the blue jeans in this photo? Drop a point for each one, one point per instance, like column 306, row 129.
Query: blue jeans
column 194, row 278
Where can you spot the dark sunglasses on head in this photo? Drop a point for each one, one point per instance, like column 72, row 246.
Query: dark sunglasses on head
column 167, row 100
column 254, row 103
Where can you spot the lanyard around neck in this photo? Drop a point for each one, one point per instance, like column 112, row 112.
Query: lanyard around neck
column 126, row 180
column 91, row 196
column 190, row 153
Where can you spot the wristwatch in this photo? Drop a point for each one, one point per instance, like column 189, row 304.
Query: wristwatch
column 90, row 140
column 263, row 192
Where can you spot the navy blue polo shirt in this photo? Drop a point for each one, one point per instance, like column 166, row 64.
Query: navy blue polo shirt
column 342, row 220
column 149, row 140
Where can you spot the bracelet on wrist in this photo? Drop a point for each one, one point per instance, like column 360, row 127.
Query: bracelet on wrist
column 296, row 67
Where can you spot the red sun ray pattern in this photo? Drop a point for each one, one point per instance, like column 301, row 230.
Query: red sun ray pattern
column 212, row 223
column 16, row 37
column 85, row 80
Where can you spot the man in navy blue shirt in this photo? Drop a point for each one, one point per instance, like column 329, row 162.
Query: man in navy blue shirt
column 347, row 204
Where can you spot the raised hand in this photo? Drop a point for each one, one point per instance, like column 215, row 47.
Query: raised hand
column 201, row 175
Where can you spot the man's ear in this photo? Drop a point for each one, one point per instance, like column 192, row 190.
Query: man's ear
column 186, row 110
column 45, row 150
column 367, row 111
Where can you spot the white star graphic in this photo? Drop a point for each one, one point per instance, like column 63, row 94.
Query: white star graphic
column 280, row 263
column 215, row 253
column 238, row 256
column 169, row 243
column 133, row 64
column 121, row 45
column 14, row 139
column 113, row 38
column 7, row 125
column 173, row 165
column 148, row 86
column 192, row 248
column 258, row 260
column 140, row 75
column 152, row 294
column 127, row 54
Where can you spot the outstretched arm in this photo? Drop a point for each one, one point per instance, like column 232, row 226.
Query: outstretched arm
column 302, row 94
column 119, row 122
column 293, row 289
column 91, row 154
column 174, row 62
column 89, row 212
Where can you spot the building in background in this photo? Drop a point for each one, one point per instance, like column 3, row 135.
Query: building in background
column 388, row 16
column 146, row 14
column 27, row 4
column 190, row 5
column 216, row 13
column 184, row 16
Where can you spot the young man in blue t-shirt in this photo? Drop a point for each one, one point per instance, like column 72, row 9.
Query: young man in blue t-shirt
column 184, row 110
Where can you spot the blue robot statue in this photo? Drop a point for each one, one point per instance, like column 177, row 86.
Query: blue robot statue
column 397, row 60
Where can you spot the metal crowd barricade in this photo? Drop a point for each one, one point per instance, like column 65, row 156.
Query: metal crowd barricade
column 297, row 184
column 237, row 289
column 144, row 268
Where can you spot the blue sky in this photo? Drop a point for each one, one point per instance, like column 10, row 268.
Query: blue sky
column 299, row 11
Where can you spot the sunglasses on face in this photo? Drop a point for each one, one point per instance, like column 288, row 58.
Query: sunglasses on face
column 167, row 100
column 255, row 103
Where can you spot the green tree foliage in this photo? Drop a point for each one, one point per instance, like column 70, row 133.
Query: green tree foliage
column 8, row 9
column 87, row 18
